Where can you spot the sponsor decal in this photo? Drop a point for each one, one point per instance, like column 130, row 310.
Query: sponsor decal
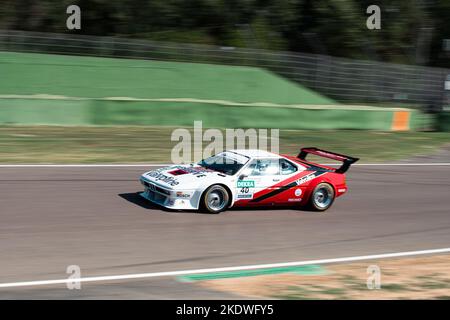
column 298, row 192
column 245, row 192
column 158, row 176
column 330, row 155
column 246, row 184
column 181, row 194
column 245, row 196
column 342, row 190
column 295, row 199
column 306, row 178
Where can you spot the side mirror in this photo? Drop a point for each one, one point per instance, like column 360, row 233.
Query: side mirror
column 242, row 176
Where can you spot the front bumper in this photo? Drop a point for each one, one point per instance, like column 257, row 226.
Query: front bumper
column 168, row 198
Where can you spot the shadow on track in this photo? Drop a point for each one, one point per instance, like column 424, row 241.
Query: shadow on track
column 136, row 199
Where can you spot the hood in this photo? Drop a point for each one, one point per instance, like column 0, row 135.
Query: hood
column 182, row 176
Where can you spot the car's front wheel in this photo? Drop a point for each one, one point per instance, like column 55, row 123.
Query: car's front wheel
column 322, row 197
column 215, row 199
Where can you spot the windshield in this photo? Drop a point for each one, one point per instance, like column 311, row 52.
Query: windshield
column 225, row 162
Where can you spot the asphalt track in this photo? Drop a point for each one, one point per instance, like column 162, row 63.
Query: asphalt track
column 51, row 218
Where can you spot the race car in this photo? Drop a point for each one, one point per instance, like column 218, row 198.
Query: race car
column 248, row 178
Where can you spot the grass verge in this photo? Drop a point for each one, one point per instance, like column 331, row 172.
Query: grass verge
column 54, row 144
column 404, row 278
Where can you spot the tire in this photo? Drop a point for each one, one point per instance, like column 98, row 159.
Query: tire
column 215, row 199
column 322, row 197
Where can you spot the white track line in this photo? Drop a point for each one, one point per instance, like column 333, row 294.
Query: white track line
column 169, row 164
column 224, row 269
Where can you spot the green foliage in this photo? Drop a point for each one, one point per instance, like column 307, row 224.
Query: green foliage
column 412, row 31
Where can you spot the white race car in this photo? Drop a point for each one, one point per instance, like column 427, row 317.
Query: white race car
column 248, row 178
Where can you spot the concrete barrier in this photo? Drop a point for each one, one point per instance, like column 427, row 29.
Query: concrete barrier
column 58, row 110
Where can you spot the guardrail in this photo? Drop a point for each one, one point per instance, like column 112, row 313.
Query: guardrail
column 344, row 80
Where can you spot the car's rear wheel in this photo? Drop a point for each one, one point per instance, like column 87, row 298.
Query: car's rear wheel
column 322, row 197
column 215, row 199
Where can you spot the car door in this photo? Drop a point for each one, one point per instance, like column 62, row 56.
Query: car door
column 288, row 173
column 259, row 178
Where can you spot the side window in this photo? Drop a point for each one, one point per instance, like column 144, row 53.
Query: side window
column 248, row 171
column 287, row 167
column 265, row 167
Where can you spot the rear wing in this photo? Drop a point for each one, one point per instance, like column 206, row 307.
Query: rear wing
column 347, row 161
